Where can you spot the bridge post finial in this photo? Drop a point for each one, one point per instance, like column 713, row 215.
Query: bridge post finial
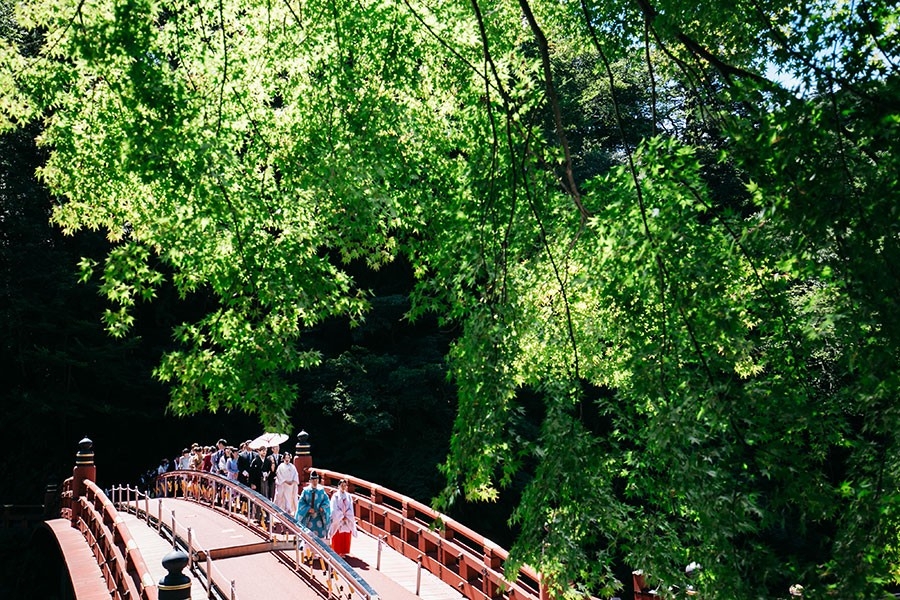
column 84, row 470
column 302, row 457
column 175, row 585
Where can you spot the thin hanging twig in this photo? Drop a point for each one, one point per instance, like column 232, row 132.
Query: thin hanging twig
column 544, row 48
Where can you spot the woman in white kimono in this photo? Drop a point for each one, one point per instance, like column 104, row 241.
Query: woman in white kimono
column 286, row 481
column 343, row 519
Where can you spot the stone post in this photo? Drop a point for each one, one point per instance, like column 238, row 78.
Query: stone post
column 175, row 585
column 302, row 457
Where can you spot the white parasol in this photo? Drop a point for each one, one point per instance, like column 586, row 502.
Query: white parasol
column 267, row 440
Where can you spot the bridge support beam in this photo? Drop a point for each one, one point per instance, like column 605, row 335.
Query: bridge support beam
column 244, row 550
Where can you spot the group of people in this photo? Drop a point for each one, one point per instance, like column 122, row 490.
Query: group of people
column 272, row 473
column 328, row 518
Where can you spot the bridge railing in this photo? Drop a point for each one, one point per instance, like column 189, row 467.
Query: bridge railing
column 149, row 509
column 120, row 560
column 259, row 514
column 451, row 551
column 65, row 499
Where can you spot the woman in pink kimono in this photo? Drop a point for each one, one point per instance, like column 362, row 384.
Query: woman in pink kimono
column 286, row 481
column 343, row 519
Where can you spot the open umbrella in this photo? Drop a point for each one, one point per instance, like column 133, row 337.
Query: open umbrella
column 268, row 440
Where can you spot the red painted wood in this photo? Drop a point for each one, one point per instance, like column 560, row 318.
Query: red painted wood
column 458, row 555
column 87, row 578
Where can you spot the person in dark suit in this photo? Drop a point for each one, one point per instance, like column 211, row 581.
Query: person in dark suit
column 270, row 464
column 244, row 457
column 273, row 459
column 254, row 478
column 255, row 470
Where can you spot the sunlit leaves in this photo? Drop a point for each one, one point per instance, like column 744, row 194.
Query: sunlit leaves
column 688, row 355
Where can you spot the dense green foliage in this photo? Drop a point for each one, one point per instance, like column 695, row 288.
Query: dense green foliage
column 674, row 224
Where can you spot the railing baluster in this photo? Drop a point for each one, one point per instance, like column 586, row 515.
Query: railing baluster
column 419, row 575
column 329, row 580
column 209, row 593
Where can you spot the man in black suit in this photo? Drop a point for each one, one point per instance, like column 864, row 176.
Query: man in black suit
column 270, row 464
column 256, row 469
column 244, row 457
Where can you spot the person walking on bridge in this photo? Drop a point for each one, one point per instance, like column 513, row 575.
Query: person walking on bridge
column 270, row 465
column 286, row 481
column 343, row 519
column 314, row 510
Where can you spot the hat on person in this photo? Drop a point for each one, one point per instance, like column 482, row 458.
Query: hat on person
column 313, row 475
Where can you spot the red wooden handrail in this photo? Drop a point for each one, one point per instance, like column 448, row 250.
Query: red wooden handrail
column 135, row 567
column 65, row 499
column 121, row 563
column 454, row 553
column 120, row 560
column 451, row 551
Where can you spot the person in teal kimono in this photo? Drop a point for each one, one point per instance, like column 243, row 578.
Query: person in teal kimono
column 314, row 510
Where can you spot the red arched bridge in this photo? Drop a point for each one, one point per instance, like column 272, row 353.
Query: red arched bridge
column 200, row 535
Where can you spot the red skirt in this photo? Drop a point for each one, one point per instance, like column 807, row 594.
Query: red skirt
column 340, row 543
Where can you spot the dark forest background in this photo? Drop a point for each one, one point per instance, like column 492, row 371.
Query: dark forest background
column 379, row 407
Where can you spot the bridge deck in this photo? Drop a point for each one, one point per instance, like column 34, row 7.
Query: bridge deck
column 397, row 576
column 264, row 576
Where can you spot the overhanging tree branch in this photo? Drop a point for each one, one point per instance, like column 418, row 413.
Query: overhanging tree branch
column 728, row 71
column 569, row 182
